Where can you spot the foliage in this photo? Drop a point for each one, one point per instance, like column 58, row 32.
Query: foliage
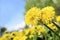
column 43, row 3
column 2, row 30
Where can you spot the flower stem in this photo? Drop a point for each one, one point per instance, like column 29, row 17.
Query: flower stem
column 52, row 30
column 56, row 25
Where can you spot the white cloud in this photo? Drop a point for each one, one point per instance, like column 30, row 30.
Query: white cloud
column 18, row 26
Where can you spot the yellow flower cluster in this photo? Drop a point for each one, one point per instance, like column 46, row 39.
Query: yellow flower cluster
column 32, row 16
column 46, row 15
column 40, row 29
column 52, row 26
column 25, row 34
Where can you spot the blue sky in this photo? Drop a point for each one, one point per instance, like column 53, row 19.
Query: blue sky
column 11, row 12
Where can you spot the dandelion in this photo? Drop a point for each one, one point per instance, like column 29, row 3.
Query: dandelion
column 32, row 16
column 48, row 14
column 40, row 29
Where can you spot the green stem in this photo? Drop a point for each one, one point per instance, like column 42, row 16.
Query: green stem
column 52, row 30
column 56, row 25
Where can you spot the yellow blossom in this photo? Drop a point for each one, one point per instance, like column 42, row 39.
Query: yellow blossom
column 52, row 26
column 26, row 31
column 15, row 33
column 23, row 38
column 40, row 29
column 30, row 36
column 32, row 16
column 58, row 18
column 32, row 30
column 16, row 38
column 48, row 14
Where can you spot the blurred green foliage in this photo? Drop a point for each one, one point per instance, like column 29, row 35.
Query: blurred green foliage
column 2, row 30
column 43, row 3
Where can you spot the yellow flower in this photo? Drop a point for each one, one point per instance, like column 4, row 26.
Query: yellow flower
column 52, row 26
column 23, row 38
column 15, row 33
column 58, row 18
column 21, row 33
column 0, row 38
column 32, row 31
column 40, row 29
column 16, row 38
column 6, row 31
column 26, row 31
column 30, row 36
column 6, row 37
column 48, row 14
column 20, row 38
column 32, row 16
